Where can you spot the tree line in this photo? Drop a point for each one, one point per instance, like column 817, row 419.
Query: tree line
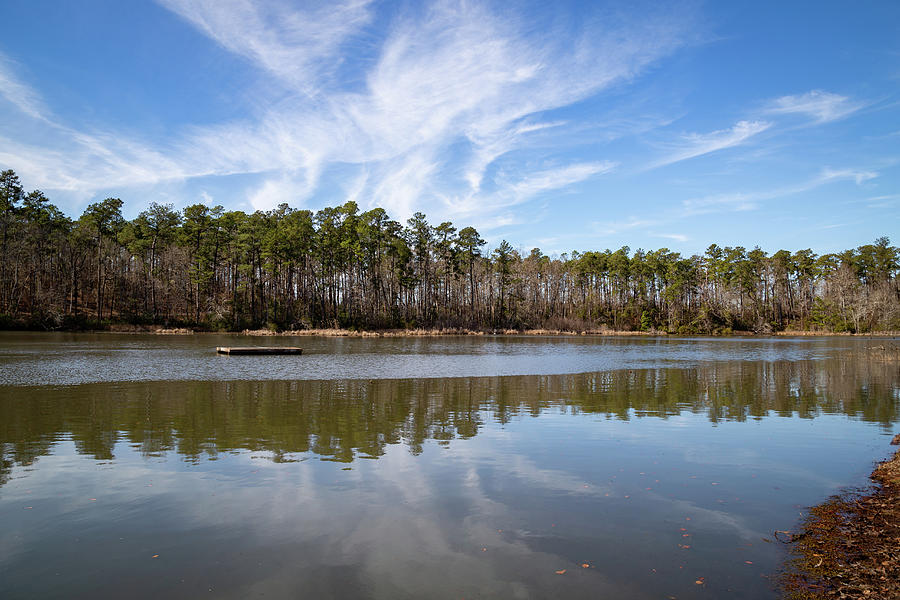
column 338, row 267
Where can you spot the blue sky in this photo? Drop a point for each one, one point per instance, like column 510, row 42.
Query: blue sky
column 560, row 125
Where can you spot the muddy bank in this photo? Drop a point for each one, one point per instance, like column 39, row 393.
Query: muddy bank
column 849, row 546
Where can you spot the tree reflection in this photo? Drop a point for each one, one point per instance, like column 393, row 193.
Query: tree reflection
column 347, row 419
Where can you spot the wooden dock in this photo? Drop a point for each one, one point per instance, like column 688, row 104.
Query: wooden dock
column 259, row 350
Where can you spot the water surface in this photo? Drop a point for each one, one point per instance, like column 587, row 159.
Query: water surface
column 65, row 359
column 147, row 466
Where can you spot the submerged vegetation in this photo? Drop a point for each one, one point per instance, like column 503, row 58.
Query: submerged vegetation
column 337, row 267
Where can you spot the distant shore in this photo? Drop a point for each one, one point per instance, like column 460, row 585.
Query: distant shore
column 456, row 331
column 848, row 545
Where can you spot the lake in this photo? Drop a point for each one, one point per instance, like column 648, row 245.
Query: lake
column 448, row 467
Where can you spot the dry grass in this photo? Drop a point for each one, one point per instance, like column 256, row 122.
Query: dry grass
column 353, row 333
column 799, row 333
column 154, row 329
column 441, row 332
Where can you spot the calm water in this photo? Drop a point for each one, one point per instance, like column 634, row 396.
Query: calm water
column 148, row 466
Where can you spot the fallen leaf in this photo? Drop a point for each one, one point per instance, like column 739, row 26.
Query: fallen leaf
column 585, row 565
column 561, row 572
column 155, row 556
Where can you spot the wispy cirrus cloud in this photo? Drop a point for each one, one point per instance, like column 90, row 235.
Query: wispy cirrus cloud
column 443, row 110
column 525, row 188
column 84, row 163
column 450, row 85
column 693, row 145
column 884, row 201
column 819, row 105
column 677, row 237
column 554, row 179
column 731, row 202
column 19, row 94
column 860, row 176
column 744, row 201
column 296, row 45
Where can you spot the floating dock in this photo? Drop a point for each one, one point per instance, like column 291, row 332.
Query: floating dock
column 259, row 350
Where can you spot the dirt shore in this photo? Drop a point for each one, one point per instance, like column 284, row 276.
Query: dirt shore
column 849, row 546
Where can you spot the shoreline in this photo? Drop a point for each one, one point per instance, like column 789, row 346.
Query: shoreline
column 849, row 546
column 455, row 331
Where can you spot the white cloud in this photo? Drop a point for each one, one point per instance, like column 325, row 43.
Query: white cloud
column 20, row 95
column 512, row 192
column 556, row 178
column 402, row 183
column 678, row 237
column 489, row 148
column 733, row 202
column 295, row 45
column 275, row 191
column 452, row 73
column 697, row 144
column 742, row 201
column 818, row 105
column 885, row 201
column 356, row 187
column 856, row 175
column 425, row 109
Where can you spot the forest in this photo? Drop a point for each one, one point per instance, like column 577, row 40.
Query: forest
column 290, row 269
